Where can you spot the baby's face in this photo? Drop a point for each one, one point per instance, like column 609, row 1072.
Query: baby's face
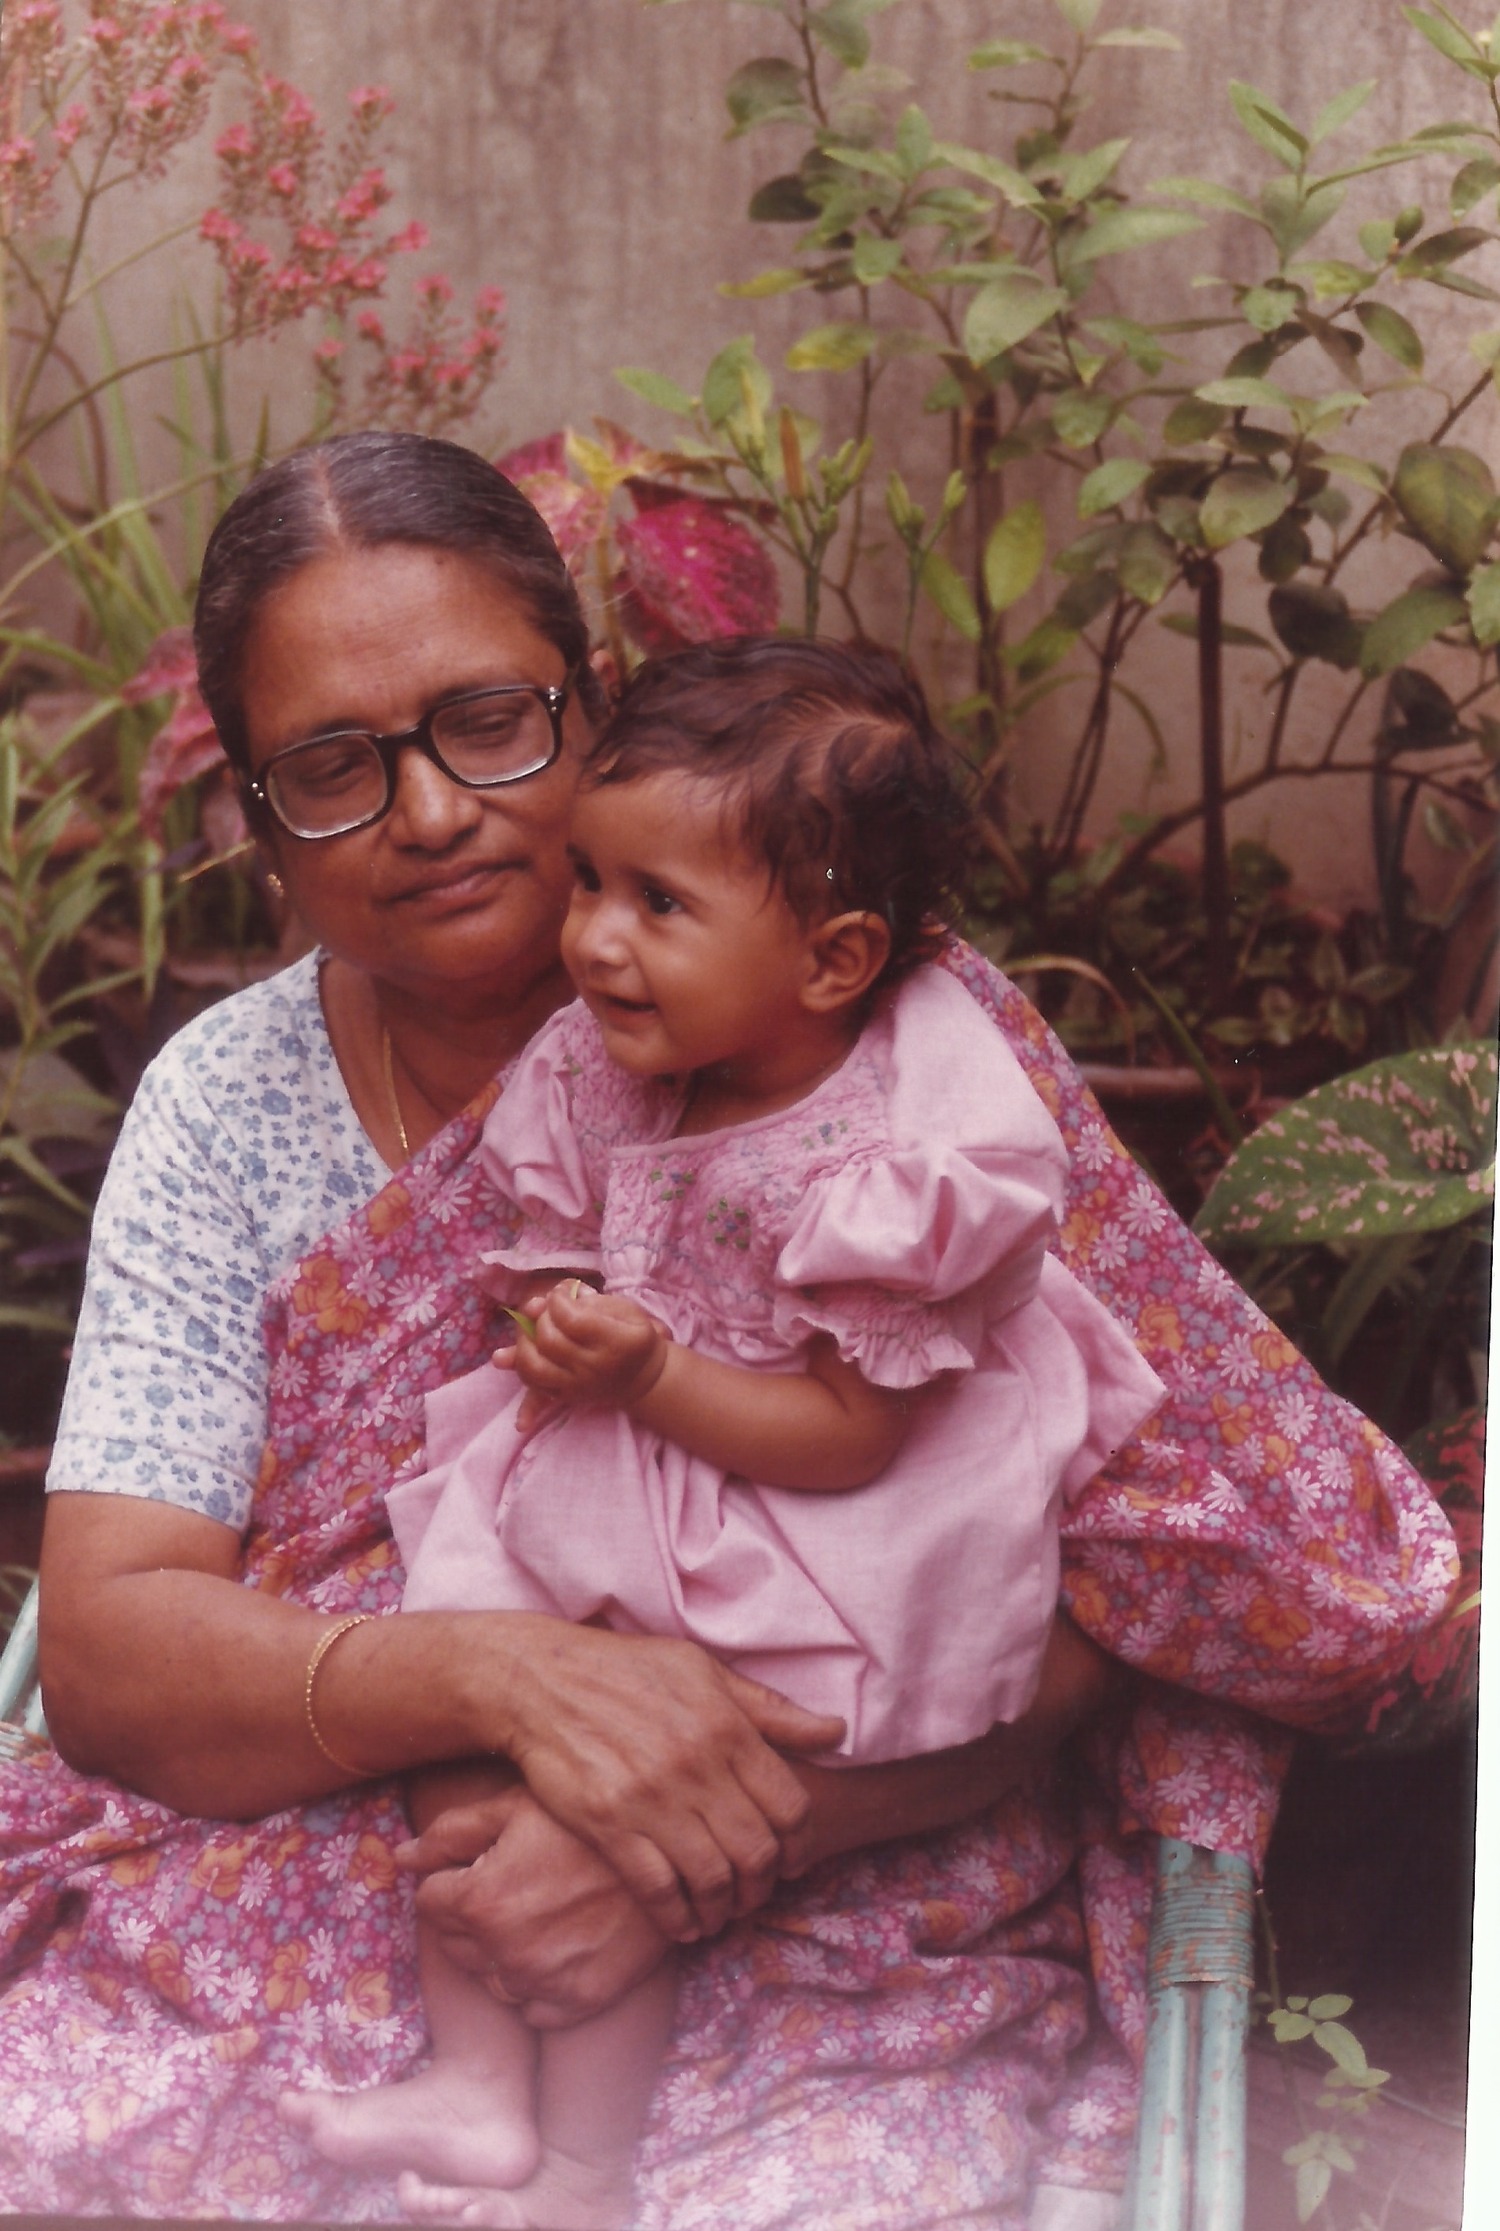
column 682, row 947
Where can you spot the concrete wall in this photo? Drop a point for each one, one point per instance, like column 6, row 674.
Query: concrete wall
column 574, row 151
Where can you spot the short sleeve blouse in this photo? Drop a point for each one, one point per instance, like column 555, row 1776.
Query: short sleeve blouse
column 239, row 1151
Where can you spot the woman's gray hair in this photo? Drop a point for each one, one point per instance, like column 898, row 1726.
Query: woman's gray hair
column 360, row 492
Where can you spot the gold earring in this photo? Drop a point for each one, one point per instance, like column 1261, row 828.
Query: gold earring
column 274, row 884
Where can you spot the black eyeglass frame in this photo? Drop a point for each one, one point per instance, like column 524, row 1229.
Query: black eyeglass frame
column 552, row 696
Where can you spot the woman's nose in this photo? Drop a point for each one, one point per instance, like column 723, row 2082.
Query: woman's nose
column 430, row 809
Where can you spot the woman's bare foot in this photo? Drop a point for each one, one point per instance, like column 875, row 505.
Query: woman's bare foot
column 564, row 2195
column 447, row 2123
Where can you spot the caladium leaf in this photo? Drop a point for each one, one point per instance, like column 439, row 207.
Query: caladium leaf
column 548, row 454
column 691, row 572
column 1404, row 1145
column 187, row 745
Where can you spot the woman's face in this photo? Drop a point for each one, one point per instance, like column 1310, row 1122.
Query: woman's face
column 456, row 894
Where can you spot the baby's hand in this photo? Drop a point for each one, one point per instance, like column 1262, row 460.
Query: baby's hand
column 587, row 1348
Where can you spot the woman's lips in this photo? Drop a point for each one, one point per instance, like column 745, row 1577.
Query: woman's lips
column 455, row 885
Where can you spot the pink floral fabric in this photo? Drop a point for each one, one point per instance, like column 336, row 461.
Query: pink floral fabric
column 905, row 2039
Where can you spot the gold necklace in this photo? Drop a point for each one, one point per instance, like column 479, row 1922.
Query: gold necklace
column 390, row 1091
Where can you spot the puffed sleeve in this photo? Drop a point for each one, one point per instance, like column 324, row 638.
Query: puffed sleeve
column 915, row 1245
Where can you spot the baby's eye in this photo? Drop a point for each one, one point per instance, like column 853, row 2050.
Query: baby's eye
column 585, row 875
column 660, row 902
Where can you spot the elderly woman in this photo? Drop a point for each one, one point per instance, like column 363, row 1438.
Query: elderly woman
column 938, row 2019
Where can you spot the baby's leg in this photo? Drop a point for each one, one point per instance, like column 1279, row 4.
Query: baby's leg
column 595, row 2086
column 470, row 2114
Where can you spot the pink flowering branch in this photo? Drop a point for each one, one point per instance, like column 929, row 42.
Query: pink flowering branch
column 299, row 225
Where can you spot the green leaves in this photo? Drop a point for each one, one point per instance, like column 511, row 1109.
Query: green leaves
column 1446, row 495
column 1242, row 502
column 1123, row 229
column 49, row 1099
column 1452, row 40
column 831, row 348
column 655, row 387
column 762, row 91
column 1405, row 1145
column 1110, row 484
column 1484, row 605
column 736, row 386
column 1245, row 394
column 1013, row 555
column 1313, row 620
column 1392, row 334
column 1005, row 311
column 1193, row 420
column 875, row 259
column 1004, row 177
column 1406, row 626
column 1268, row 124
column 1006, row 54
column 949, row 592
column 1470, row 185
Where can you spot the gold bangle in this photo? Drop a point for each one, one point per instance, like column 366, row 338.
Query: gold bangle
column 321, row 1649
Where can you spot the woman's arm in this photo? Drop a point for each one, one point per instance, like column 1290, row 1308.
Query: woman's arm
column 825, row 1428
column 161, row 1669
column 516, row 1898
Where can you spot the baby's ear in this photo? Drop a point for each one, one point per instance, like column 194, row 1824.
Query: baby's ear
column 845, row 955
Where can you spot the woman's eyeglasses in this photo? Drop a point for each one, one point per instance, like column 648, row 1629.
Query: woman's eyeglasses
column 332, row 784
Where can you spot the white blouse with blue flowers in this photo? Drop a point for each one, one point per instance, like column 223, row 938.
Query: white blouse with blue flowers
column 240, row 1149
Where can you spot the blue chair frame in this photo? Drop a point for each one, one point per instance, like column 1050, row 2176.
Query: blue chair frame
column 1189, row 2169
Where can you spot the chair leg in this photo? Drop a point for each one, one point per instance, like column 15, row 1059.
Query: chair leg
column 1189, row 2172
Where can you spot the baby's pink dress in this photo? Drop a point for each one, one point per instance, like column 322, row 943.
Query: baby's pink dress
column 904, row 1207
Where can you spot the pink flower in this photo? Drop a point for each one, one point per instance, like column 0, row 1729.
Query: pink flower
column 358, row 204
column 371, row 103
column 236, row 145
column 315, row 240
column 71, row 126
column 327, row 353
column 410, row 240
column 369, row 325
column 435, row 288
column 489, row 303
column 283, row 180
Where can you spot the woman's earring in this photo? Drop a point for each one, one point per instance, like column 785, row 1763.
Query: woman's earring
column 274, row 884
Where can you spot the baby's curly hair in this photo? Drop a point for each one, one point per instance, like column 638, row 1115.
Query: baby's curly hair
column 829, row 768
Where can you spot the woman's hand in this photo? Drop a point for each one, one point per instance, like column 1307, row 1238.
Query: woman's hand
column 522, row 1903
column 658, row 1756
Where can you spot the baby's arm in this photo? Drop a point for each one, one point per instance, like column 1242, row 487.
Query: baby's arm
column 820, row 1429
